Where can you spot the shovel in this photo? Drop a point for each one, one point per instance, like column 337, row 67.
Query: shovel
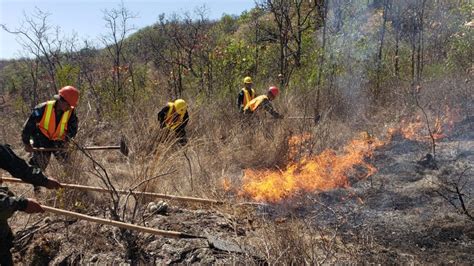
column 212, row 241
column 122, row 147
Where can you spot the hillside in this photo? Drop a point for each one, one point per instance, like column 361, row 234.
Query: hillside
column 371, row 159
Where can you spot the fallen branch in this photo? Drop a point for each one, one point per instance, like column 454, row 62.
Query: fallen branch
column 138, row 228
column 142, row 193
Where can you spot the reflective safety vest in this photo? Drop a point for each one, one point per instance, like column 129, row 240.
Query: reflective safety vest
column 173, row 119
column 248, row 96
column 253, row 104
column 48, row 126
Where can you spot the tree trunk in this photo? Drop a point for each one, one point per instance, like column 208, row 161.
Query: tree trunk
column 397, row 44
column 379, row 56
column 419, row 60
column 325, row 6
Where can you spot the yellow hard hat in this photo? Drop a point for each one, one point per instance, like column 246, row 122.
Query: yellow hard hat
column 247, row 80
column 180, row 106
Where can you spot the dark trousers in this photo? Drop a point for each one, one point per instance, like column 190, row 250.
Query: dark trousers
column 6, row 243
column 181, row 137
column 41, row 159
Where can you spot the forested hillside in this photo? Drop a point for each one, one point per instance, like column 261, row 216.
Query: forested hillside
column 371, row 160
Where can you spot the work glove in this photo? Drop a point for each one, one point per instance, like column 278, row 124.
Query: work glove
column 28, row 148
column 61, row 144
column 52, row 184
column 33, row 207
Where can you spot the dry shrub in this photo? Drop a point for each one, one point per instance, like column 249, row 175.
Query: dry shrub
column 294, row 242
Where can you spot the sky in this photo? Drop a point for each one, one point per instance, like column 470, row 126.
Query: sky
column 85, row 17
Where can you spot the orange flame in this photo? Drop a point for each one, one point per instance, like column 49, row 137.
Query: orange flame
column 417, row 129
column 330, row 169
column 296, row 143
column 325, row 171
column 226, row 183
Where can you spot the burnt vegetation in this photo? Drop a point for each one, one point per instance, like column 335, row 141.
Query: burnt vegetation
column 395, row 75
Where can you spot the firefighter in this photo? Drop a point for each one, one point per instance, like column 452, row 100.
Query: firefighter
column 246, row 94
column 18, row 168
column 174, row 116
column 264, row 102
column 52, row 124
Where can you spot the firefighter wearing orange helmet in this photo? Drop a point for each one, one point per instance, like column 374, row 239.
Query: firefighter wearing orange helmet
column 174, row 116
column 264, row 102
column 52, row 124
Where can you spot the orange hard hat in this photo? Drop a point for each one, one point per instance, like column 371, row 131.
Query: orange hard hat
column 274, row 90
column 70, row 94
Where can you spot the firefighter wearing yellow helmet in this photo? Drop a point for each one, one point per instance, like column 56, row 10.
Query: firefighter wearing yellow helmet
column 246, row 94
column 174, row 116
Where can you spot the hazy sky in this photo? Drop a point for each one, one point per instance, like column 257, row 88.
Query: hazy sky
column 85, row 17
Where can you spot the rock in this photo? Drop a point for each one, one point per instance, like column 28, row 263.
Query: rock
column 192, row 259
column 161, row 207
column 154, row 245
column 151, row 207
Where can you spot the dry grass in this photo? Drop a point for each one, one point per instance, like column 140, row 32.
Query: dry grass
column 222, row 144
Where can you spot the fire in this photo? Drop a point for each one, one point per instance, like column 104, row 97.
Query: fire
column 226, row 183
column 325, row 171
column 417, row 129
column 331, row 169
column 296, row 143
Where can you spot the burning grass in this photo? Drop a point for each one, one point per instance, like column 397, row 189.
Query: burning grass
column 417, row 129
column 325, row 171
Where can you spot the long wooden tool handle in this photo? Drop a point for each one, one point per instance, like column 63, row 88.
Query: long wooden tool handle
column 151, row 194
column 300, row 117
column 90, row 148
column 49, row 149
column 120, row 224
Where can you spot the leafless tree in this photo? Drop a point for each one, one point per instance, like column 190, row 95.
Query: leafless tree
column 322, row 7
column 451, row 187
column 177, row 43
column 43, row 41
column 385, row 10
column 117, row 23
column 292, row 19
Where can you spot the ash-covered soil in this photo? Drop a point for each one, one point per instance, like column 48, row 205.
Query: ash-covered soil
column 408, row 212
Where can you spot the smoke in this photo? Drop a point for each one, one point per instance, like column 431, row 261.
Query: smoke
column 353, row 40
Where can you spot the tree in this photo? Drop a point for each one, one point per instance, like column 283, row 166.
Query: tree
column 117, row 22
column 177, row 43
column 43, row 41
column 292, row 19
